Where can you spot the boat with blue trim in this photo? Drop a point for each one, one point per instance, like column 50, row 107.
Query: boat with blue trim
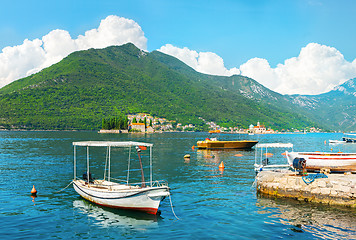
column 110, row 192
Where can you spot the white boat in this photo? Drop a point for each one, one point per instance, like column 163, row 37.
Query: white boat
column 264, row 162
column 349, row 138
column 336, row 141
column 315, row 161
column 143, row 196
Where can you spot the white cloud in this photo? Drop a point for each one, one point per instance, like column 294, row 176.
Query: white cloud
column 317, row 69
column 260, row 70
column 32, row 56
column 204, row 62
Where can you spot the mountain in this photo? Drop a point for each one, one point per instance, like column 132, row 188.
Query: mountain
column 89, row 85
column 336, row 109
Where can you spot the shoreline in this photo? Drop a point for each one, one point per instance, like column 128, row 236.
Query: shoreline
column 123, row 131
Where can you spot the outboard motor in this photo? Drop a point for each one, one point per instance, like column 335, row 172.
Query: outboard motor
column 299, row 164
column 85, row 177
column 265, row 162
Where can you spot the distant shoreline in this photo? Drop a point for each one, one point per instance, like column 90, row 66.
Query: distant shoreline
column 126, row 131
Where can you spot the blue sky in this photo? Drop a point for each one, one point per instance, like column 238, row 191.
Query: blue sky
column 237, row 31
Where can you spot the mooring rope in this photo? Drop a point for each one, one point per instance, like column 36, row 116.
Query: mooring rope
column 65, row 187
column 311, row 177
column 170, row 200
column 254, row 183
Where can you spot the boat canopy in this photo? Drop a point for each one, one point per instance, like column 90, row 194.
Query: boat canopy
column 111, row 144
column 264, row 161
column 274, row 145
column 351, row 134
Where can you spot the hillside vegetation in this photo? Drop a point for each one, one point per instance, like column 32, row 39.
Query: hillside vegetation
column 87, row 86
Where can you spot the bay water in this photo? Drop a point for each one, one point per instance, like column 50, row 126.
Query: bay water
column 210, row 203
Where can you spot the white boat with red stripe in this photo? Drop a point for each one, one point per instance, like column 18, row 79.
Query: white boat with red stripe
column 143, row 196
column 335, row 162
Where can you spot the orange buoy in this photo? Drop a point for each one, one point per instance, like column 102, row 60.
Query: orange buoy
column 33, row 191
column 193, row 147
column 238, row 155
column 221, row 166
column 284, row 153
column 268, row 154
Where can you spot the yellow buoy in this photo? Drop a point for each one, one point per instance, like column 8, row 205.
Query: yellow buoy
column 34, row 191
column 221, row 166
column 187, row 156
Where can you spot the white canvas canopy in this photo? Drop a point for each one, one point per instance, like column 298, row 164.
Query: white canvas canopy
column 111, row 144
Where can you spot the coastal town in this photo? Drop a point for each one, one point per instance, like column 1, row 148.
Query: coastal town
column 145, row 123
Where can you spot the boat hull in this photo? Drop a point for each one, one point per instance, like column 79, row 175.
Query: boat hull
column 132, row 198
column 243, row 144
column 315, row 161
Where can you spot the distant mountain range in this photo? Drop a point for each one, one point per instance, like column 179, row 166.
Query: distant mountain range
column 86, row 86
column 335, row 109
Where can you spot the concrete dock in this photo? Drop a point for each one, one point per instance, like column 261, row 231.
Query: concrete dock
column 336, row 189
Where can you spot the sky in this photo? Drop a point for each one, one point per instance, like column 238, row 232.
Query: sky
column 289, row 46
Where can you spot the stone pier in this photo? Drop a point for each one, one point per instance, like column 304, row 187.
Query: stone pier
column 336, row 189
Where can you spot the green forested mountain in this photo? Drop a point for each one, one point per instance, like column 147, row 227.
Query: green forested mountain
column 335, row 109
column 87, row 86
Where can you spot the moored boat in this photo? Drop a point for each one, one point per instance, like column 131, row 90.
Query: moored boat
column 213, row 143
column 336, row 141
column 264, row 163
column 349, row 138
column 109, row 192
column 316, row 161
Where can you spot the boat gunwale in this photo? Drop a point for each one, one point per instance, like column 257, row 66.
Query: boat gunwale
column 136, row 191
column 326, row 154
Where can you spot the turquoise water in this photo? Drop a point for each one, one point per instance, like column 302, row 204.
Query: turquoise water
column 210, row 204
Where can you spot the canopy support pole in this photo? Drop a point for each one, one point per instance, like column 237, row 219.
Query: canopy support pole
column 128, row 167
column 151, row 166
column 106, row 162
column 88, row 164
column 109, row 164
column 75, row 163
column 142, row 175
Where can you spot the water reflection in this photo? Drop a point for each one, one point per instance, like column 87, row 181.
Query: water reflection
column 107, row 217
column 208, row 156
column 319, row 220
